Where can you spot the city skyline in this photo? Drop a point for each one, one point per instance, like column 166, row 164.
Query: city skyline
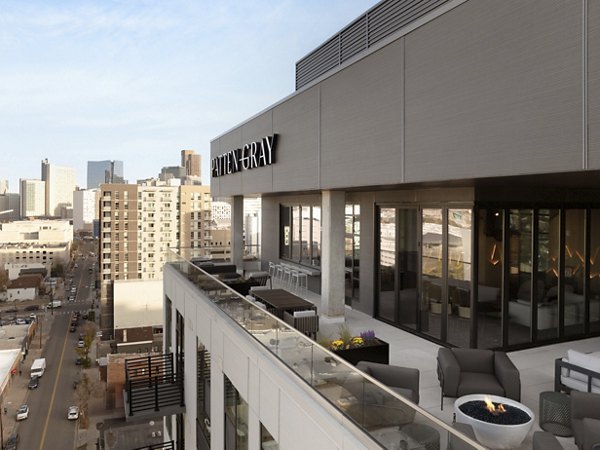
column 141, row 82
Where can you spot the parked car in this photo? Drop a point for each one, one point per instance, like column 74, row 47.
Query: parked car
column 20, row 321
column 72, row 328
column 11, row 310
column 80, row 344
column 73, row 413
column 78, row 361
column 23, row 412
column 12, row 442
column 33, row 382
column 32, row 308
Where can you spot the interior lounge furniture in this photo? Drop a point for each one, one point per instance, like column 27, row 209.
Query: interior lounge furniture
column 463, row 371
column 306, row 322
column 585, row 419
column 578, row 371
column 372, row 407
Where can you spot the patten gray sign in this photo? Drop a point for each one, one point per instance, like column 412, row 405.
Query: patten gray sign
column 250, row 156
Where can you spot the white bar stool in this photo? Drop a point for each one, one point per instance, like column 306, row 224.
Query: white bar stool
column 301, row 280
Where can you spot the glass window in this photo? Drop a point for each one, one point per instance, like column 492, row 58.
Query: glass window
column 300, row 234
column 574, row 312
column 548, row 258
column 489, row 289
column 459, row 276
column 203, row 402
column 520, row 279
column 352, row 252
column 236, row 418
column 267, row 441
column 594, row 276
column 432, row 271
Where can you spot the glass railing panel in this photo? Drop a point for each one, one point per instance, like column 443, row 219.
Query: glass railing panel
column 388, row 419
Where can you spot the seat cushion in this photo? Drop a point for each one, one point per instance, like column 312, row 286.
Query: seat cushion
column 479, row 383
column 474, row 360
column 406, row 393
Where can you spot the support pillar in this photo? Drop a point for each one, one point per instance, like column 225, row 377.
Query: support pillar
column 237, row 231
column 332, row 255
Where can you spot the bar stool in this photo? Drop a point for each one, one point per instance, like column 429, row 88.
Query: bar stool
column 278, row 272
column 301, row 280
column 272, row 269
column 286, row 279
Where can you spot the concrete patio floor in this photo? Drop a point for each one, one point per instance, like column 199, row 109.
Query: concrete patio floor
column 535, row 365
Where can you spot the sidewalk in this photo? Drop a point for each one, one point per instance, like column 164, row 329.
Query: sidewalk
column 17, row 392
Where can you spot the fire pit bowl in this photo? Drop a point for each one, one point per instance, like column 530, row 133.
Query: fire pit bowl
column 495, row 435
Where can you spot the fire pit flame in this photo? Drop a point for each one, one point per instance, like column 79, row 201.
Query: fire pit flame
column 492, row 408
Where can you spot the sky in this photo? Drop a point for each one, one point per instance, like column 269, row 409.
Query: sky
column 141, row 80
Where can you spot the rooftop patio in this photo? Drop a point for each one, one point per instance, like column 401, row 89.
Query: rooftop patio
column 536, row 365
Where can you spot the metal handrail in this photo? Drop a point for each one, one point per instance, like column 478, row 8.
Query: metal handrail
column 230, row 296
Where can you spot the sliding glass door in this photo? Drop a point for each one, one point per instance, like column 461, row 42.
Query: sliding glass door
column 398, row 266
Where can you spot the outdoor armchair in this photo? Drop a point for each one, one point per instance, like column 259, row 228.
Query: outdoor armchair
column 402, row 380
column 372, row 407
column 585, row 419
column 463, row 371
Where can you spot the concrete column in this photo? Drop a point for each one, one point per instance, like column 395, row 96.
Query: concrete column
column 332, row 254
column 237, row 231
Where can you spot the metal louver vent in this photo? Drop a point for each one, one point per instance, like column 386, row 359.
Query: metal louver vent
column 385, row 18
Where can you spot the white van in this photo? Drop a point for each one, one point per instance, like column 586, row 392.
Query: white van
column 38, row 367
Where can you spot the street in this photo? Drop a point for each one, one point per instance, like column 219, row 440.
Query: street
column 47, row 427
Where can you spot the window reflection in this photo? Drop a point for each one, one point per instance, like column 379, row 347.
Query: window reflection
column 489, row 289
column 459, row 276
column 574, row 271
column 431, row 268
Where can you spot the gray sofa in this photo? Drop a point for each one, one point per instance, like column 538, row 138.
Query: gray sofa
column 585, row 419
column 463, row 371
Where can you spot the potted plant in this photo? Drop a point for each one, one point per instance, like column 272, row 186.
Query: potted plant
column 363, row 347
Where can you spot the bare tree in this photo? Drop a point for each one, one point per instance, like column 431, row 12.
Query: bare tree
column 89, row 333
column 86, row 389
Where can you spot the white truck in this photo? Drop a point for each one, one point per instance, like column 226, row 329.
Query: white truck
column 54, row 304
column 38, row 367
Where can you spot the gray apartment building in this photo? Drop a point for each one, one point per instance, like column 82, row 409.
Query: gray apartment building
column 437, row 168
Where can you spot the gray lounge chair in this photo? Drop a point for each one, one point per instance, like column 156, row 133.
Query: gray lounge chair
column 585, row 419
column 463, row 371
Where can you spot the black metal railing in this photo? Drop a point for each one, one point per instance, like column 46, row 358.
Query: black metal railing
column 151, row 383
column 382, row 20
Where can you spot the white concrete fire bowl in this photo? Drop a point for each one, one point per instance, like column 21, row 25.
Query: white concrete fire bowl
column 494, row 435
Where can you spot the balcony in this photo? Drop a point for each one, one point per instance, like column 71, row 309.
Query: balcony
column 152, row 387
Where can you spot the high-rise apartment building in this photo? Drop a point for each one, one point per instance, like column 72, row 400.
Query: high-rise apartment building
column 33, row 198
column 191, row 161
column 85, row 209
column 60, row 184
column 101, row 172
column 138, row 223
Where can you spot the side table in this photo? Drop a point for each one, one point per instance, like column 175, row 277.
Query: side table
column 555, row 413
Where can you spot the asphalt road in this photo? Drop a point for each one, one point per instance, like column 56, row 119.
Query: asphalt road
column 47, row 427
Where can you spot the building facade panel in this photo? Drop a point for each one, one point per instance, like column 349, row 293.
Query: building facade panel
column 229, row 141
column 593, row 86
column 297, row 156
column 361, row 122
column 259, row 179
column 495, row 89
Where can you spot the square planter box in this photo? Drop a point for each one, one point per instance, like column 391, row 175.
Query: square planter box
column 380, row 353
